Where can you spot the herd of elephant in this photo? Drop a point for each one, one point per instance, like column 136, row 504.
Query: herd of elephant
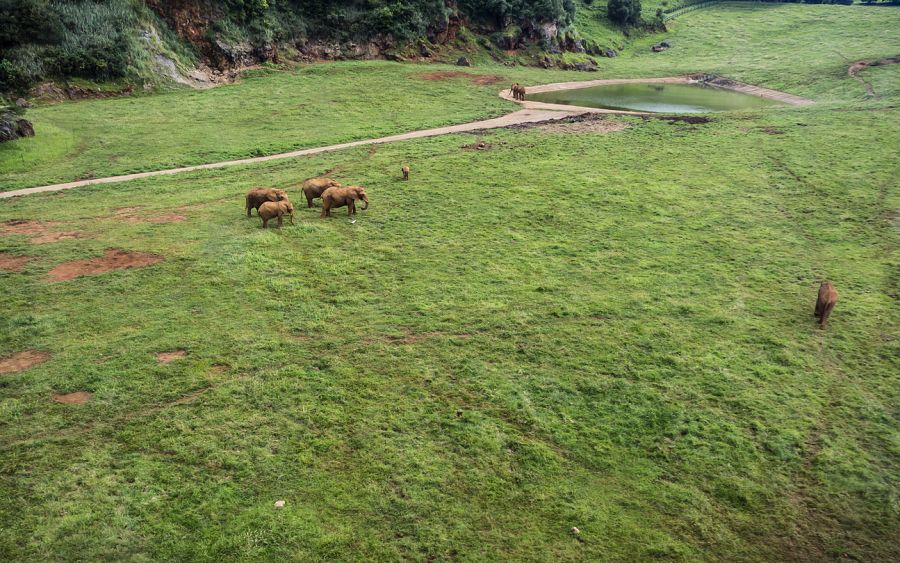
column 271, row 203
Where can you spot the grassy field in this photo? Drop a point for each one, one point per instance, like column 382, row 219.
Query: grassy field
column 611, row 331
column 804, row 50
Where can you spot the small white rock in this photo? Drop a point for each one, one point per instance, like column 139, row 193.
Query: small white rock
column 575, row 530
column 279, row 504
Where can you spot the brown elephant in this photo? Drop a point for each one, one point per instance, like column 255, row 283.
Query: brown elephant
column 405, row 171
column 314, row 187
column 272, row 209
column 518, row 91
column 828, row 296
column 339, row 197
column 258, row 196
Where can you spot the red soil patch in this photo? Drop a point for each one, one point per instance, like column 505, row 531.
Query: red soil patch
column 166, row 357
column 22, row 227
column 479, row 79
column 39, row 229
column 113, row 259
column 12, row 263
column 21, row 361
column 76, row 398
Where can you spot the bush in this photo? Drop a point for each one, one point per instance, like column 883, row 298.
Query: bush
column 28, row 21
column 624, row 12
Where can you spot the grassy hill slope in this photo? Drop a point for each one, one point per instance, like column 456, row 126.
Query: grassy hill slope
column 599, row 326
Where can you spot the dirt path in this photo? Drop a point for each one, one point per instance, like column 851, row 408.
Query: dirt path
column 858, row 66
column 515, row 118
column 533, row 112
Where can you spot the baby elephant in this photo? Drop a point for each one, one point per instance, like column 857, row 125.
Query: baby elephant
column 339, row 197
column 271, row 209
column 405, row 171
column 314, row 187
column 257, row 196
column 828, row 296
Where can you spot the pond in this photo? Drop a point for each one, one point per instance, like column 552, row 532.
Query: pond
column 668, row 98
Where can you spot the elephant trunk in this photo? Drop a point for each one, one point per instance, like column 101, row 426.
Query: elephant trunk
column 366, row 202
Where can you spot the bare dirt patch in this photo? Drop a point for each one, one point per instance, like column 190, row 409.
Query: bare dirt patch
column 20, row 361
column 167, row 218
column 131, row 215
column 167, row 357
column 586, row 126
column 477, row 79
column 113, row 259
column 76, row 398
column 41, row 231
column 56, row 237
column 12, row 263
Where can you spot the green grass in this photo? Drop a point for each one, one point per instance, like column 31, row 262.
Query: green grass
column 612, row 332
column 804, row 50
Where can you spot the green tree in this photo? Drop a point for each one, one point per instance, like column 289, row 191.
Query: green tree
column 624, row 12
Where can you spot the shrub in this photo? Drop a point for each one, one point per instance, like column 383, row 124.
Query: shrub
column 624, row 12
column 28, row 21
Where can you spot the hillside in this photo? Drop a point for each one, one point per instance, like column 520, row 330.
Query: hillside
column 150, row 43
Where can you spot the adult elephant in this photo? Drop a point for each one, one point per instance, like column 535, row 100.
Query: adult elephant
column 343, row 196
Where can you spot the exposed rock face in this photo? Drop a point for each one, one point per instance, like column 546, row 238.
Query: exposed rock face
column 50, row 92
column 13, row 127
column 463, row 61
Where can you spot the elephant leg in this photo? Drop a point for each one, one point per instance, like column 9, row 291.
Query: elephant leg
column 826, row 312
column 280, row 222
column 265, row 223
column 351, row 208
column 308, row 201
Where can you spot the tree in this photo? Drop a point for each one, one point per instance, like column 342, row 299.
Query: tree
column 624, row 12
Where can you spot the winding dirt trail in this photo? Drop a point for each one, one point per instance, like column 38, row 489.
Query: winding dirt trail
column 532, row 112
column 514, row 118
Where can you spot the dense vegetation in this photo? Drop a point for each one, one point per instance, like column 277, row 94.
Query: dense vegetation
column 103, row 40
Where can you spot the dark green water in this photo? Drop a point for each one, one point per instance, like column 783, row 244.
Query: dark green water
column 660, row 98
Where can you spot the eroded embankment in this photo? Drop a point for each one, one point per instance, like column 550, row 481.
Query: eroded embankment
column 854, row 70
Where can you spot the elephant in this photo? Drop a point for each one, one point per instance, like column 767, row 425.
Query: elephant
column 272, row 209
column 339, row 197
column 518, row 91
column 314, row 187
column 258, row 196
column 828, row 296
column 405, row 171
